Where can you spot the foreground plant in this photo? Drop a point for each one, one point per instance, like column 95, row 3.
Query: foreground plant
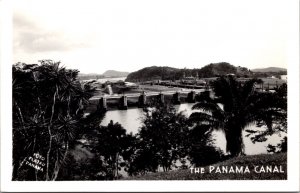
column 48, row 103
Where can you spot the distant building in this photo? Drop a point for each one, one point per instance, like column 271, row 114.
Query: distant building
column 192, row 80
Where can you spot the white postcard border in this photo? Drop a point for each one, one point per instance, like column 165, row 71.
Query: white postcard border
column 292, row 184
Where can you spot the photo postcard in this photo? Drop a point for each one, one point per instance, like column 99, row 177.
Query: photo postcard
column 150, row 95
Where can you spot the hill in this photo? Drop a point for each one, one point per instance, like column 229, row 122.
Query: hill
column 106, row 74
column 269, row 69
column 154, row 73
column 222, row 68
column 114, row 73
column 252, row 161
column 168, row 73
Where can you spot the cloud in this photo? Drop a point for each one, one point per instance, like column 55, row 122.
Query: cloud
column 31, row 37
column 91, row 35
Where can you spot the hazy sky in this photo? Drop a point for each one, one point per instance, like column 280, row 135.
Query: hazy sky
column 126, row 35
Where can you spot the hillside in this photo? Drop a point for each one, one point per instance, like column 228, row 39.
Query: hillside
column 114, row 73
column 251, row 161
column 168, row 73
column 269, row 69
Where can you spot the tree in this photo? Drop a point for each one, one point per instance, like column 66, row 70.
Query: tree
column 233, row 108
column 142, row 159
column 48, row 103
column 81, row 163
column 272, row 114
column 111, row 145
column 162, row 139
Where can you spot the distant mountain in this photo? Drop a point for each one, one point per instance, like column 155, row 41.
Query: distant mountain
column 269, row 69
column 88, row 76
column 168, row 73
column 114, row 73
column 106, row 74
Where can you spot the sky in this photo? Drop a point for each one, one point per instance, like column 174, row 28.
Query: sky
column 94, row 35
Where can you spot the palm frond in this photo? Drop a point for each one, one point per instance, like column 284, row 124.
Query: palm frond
column 200, row 117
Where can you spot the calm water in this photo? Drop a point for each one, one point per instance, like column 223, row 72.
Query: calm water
column 131, row 120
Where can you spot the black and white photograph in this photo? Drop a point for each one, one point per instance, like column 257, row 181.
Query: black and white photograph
column 155, row 95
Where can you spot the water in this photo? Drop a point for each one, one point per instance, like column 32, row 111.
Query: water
column 111, row 79
column 103, row 80
column 131, row 120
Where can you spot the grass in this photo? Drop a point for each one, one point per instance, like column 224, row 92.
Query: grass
column 250, row 161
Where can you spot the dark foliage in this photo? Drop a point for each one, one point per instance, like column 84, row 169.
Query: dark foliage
column 48, row 103
column 168, row 73
column 162, row 140
column 235, row 106
column 112, row 147
column 202, row 151
column 273, row 114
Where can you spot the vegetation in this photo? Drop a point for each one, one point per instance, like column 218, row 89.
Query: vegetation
column 236, row 106
column 280, row 147
column 154, row 73
column 110, row 144
column 272, row 113
column 167, row 73
column 48, row 104
column 201, row 149
column 82, row 161
column 165, row 142
column 162, row 138
column 208, row 71
column 221, row 69
column 251, row 161
column 50, row 129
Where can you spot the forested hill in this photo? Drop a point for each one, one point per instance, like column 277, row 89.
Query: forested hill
column 154, row 73
column 168, row 73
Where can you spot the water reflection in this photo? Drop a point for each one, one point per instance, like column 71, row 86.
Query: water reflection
column 130, row 119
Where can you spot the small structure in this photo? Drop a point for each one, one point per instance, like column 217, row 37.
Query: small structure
column 142, row 100
column 123, row 103
column 102, row 105
column 161, row 98
column 191, row 80
column 176, row 98
column 191, row 97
